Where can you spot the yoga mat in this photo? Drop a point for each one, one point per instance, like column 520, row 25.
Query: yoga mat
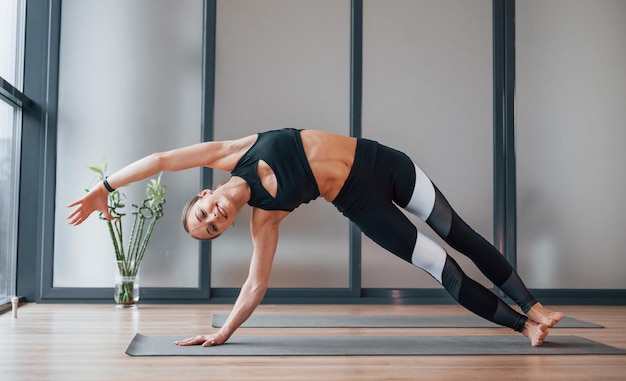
column 370, row 321
column 371, row 346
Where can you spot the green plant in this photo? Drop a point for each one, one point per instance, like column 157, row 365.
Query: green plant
column 150, row 210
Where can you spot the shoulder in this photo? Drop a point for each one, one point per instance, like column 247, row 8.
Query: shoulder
column 229, row 152
column 240, row 146
column 268, row 217
column 262, row 219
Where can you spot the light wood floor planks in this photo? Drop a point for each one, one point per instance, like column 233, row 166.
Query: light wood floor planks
column 87, row 342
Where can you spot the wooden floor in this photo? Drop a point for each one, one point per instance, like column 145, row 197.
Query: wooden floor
column 87, row 342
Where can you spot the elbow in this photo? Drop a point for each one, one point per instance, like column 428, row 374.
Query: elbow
column 159, row 161
column 256, row 288
column 259, row 288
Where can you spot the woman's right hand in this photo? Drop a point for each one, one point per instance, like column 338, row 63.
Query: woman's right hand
column 96, row 199
column 204, row 340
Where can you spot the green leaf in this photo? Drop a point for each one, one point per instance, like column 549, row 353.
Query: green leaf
column 96, row 169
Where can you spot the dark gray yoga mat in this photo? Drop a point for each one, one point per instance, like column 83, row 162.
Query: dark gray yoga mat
column 370, row 321
column 371, row 346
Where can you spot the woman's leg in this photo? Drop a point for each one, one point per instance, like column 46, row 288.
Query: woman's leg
column 368, row 199
column 397, row 180
column 385, row 224
column 428, row 203
column 389, row 227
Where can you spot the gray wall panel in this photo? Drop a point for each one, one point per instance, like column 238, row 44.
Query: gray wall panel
column 284, row 63
column 571, row 130
column 427, row 90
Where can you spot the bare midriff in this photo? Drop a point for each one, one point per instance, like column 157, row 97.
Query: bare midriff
column 331, row 157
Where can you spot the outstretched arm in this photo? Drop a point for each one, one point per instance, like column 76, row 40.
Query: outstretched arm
column 264, row 227
column 221, row 155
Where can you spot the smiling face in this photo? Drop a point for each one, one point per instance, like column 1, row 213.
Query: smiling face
column 210, row 215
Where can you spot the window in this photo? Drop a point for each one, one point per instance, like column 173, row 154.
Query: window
column 11, row 64
column 11, row 32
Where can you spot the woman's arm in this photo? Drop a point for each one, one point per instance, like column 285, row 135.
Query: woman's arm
column 221, row 155
column 264, row 229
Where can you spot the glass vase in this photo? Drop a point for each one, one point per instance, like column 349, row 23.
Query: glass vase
column 126, row 292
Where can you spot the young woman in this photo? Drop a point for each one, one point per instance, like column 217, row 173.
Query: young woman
column 276, row 171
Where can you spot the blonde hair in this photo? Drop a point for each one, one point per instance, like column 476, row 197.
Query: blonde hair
column 186, row 211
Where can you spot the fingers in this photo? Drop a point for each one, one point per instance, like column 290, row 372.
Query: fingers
column 73, row 214
column 204, row 340
column 191, row 341
column 74, row 203
column 77, row 216
column 210, row 342
column 77, row 220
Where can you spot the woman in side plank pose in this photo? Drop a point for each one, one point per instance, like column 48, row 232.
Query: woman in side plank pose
column 276, row 171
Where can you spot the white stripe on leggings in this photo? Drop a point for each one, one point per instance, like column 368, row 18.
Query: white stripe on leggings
column 429, row 256
column 423, row 197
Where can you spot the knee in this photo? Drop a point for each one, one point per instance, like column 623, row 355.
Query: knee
column 429, row 256
column 441, row 217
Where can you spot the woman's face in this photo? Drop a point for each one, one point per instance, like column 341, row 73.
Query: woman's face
column 211, row 215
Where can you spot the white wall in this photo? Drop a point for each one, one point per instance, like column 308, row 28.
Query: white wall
column 571, row 130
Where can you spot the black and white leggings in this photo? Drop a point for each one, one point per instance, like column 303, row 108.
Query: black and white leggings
column 382, row 180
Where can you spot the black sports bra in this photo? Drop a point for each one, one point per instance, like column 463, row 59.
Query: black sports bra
column 282, row 150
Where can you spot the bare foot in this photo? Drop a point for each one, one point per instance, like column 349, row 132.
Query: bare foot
column 536, row 332
column 542, row 315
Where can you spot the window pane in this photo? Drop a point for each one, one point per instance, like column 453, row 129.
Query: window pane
column 11, row 12
column 571, row 105
column 130, row 84
column 284, row 64
column 427, row 91
column 9, row 179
